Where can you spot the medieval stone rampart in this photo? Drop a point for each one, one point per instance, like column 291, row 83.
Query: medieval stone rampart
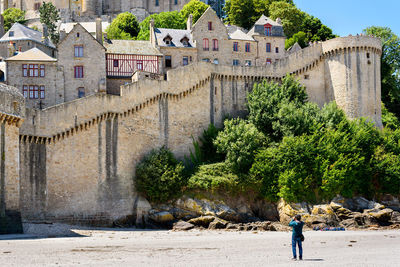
column 78, row 158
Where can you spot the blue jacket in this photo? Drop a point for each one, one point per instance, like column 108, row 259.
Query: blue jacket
column 297, row 228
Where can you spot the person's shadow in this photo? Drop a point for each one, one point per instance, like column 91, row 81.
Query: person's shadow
column 313, row 259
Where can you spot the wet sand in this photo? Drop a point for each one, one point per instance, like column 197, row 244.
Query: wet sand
column 202, row 248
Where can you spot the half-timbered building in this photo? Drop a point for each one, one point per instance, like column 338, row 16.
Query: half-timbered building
column 125, row 57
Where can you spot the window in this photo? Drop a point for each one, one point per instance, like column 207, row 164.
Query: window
column 33, row 70
column 168, row 40
column 168, row 62
column 247, row 47
column 34, row 91
column 235, row 46
column 78, row 35
column 25, row 70
column 276, row 49
column 268, row 47
column 115, row 63
column 306, row 77
column 210, row 26
column 157, row 2
column 42, row 71
column 206, row 59
column 42, row 93
column 78, row 71
column 269, row 61
column 79, row 51
column 185, row 61
column 25, row 91
column 367, row 55
column 248, row 63
column 175, row 2
column 216, row 61
column 139, row 64
column 81, row 92
column 205, row 44
column 215, row 44
column 235, row 62
column 36, row 6
column 11, row 34
column 268, row 30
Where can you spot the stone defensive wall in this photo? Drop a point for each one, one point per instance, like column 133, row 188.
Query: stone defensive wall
column 78, row 159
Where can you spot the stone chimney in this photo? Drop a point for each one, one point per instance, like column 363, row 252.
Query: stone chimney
column 1, row 25
column 45, row 35
column 99, row 31
column 63, row 34
column 152, row 35
column 189, row 23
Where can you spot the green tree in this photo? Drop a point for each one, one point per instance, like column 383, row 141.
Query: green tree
column 292, row 17
column 300, row 38
column 315, row 30
column 239, row 141
column 390, row 66
column 49, row 15
column 170, row 20
column 124, row 27
column 12, row 15
column 267, row 99
column 194, row 7
column 159, row 176
column 245, row 13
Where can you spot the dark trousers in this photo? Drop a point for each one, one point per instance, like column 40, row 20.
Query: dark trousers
column 297, row 240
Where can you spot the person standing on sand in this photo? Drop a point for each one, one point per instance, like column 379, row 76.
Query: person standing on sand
column 297, row 236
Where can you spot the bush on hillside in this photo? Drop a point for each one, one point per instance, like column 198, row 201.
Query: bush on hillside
column 215, row 177
column 160, row 176
column 239, row 141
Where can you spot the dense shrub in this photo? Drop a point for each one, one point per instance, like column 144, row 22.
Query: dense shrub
column 214, row 177
column 269, row 103
column 160, row 176
column 239, row 141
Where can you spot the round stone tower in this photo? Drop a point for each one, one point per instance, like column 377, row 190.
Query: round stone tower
column 352, row 73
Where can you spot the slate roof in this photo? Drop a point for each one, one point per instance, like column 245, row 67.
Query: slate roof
column 89, row 26
column 33, row 54
column 277, row 28
column 264, row 20
column 21, row 32
column 176, row 35
column 131, row 47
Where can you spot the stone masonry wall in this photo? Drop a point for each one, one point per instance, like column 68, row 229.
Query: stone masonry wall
column 92, row 145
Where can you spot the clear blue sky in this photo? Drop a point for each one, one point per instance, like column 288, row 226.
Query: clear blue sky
column 346, row 17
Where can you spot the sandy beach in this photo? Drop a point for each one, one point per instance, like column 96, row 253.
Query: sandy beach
column 110, row 247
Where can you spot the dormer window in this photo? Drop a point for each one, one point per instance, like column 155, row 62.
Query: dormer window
column 268, row 29
column 11, row 34
column 185, row 41
column 168, row 40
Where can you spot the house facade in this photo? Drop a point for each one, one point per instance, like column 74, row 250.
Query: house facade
column 34, row 74
column 210, row 40
column 82, row 59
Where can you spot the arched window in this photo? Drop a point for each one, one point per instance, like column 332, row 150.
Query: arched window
column 215, row 44
column 205, row 44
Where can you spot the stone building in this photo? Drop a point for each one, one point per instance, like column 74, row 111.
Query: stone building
column 82, row 59
column 125, row 57
column 21, row 38
column 210, row 40
column 34, row 74
column 81, row 10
